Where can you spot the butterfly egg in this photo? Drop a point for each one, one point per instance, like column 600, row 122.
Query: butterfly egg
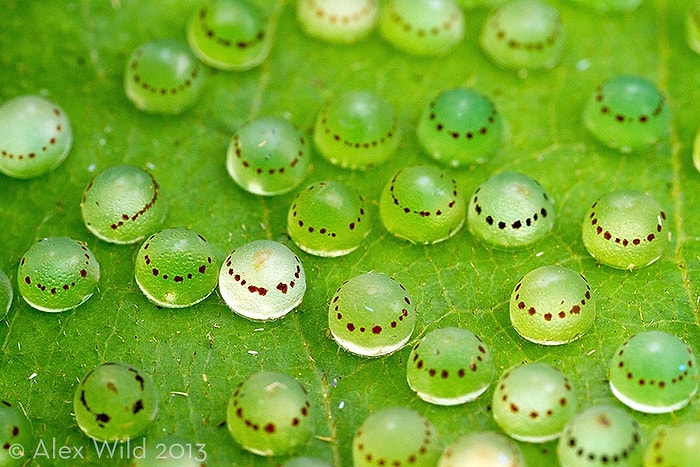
column 421, row 204
column 510, row 210
column 176, row 268
column 692, row 27
column 673, row 445
column 229, row 35
column 627, row 113
column 552, row 305
column 115, row 402
column 601, row 435
column 170, row 451
column 482, row 449
column 450, row 366
column 270, row 414
column 654, row 372
column 460, row 126
column 122, row 204
column 371, row 315
column 396, row 436
column 306, row 461
column 625, row 229
column 610, row 6
column 6, row 296
column 262, row 280
column 533, row 401
column 523, row 35
column 357, row 130
column 696, row 150
column 163, row 77
column 333, row 21
column 57, row 274
column 16, row 436
column 422, row 27
column 328, row 219
column 36, row 136
column 268, row 156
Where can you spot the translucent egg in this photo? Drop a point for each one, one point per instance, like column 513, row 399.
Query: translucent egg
column 229, row 35
column 371, row 314
column 599, row 436
column 163, row 77
column 262, row 280
column 35, row 136
column 57, row 274
column 625, row 229
column 122, row 204
column 422, row 204
column 328, row 219
column 269, row 414
column 346, row 21
column 115, row 402
column 627, row 113
column 268, row 156
column 482, row 449
column 396, row 436
column 6, row 294
column 510, row 210
column 673, row 445
column 533, row 401
column 357, row 130
column 654, row 372
column 459, row 127
column 523, row 35
column 450, row 366
column 552, row 305
column 176, row 268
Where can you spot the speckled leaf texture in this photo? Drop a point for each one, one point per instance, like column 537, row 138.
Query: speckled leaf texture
column 74, row 52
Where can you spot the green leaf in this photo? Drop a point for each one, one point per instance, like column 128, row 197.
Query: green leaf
column 75, row 52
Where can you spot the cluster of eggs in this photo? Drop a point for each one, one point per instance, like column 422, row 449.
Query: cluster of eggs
column 371, row 314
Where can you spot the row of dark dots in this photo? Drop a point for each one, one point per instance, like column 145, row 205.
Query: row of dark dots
column 15, row 429
column 659, row 384
column 103, row 418
column 269, row 427
column 283, row 287
column 658, row 444
column 342, row 19
column 607, row 458
column 536, row 46
column 356, row 144
column 259, row 170
column 533, row 414
column 162, row 91
column 177, row 278
column 421, row 212
column 411, row 459
column 620, row 118
column 31, row 155
column 420, row 32
column 444, row 373
column 126, row 217
column 323, row 230
column 66, row 286
column 467, row 134
column 517, row 224
column 574, row 310
column 624, row 241
column 376, row 329
column 228, row 42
